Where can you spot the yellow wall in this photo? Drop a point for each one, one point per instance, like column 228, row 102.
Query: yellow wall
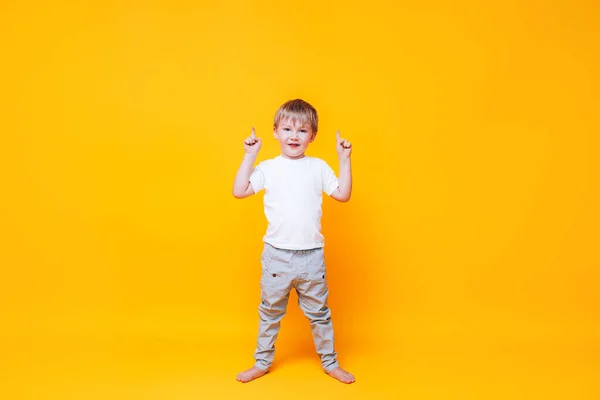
column 476, row 166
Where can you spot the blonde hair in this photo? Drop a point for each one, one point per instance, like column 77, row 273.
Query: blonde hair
column 297, row 110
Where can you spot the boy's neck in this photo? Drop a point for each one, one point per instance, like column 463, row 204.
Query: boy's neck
column 300, row 157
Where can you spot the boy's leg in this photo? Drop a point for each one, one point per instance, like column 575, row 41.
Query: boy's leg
column 275, row 287
column 271, row 310
column 312, row 299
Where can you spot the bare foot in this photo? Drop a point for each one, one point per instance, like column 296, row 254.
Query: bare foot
column 341, row 375
column 250, row 374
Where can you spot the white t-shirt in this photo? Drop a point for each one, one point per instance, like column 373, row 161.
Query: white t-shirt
column 293, row 199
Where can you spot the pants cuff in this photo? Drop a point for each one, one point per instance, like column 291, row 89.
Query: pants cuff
column 261, row 366
column 331, row 367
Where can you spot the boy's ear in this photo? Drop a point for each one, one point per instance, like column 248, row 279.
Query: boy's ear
column 313, row 136
column 275, row 133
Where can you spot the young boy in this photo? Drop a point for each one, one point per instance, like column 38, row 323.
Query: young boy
column 293, row 251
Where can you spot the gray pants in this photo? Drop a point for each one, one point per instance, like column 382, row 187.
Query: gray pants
column 303, row 270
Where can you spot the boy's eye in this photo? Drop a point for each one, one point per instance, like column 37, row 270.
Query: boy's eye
column 286, row 129
column 303, row 130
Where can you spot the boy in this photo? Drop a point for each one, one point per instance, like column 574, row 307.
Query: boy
column 293, row 252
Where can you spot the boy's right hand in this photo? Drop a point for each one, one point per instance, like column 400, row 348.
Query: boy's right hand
column 252, row 143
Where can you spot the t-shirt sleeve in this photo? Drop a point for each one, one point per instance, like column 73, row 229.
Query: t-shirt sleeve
column 330, row 181
column 257, row 179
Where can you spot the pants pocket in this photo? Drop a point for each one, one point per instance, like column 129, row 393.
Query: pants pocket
column 267, row 256
column 318, row 270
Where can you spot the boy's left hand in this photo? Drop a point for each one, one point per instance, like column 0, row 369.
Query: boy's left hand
column 343, row 147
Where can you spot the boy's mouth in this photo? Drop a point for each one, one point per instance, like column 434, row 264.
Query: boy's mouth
column 294, row 145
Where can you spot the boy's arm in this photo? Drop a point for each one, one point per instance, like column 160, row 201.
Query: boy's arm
column 344, row 190
column 241, row 185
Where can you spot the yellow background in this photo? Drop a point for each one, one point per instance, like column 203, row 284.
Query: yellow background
column 465, row 265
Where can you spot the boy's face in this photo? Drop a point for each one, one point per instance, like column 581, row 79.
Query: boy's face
column 294, row 137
